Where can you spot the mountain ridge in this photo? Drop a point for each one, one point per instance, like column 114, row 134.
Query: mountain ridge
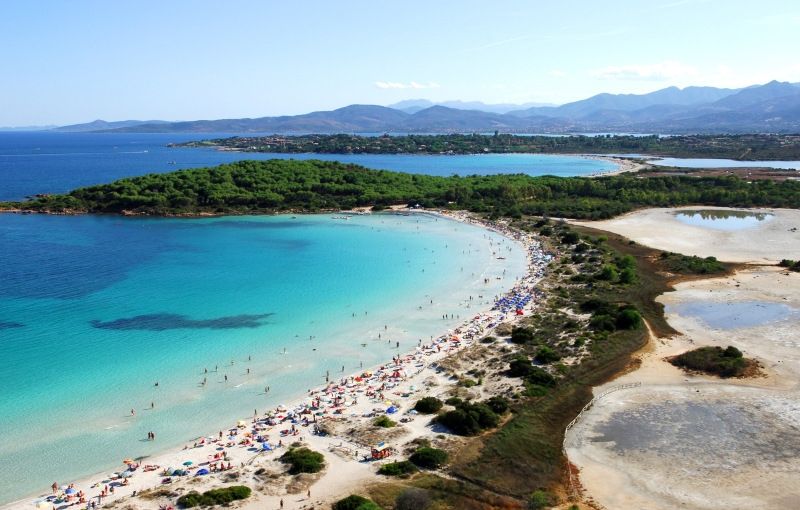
column 771, row 107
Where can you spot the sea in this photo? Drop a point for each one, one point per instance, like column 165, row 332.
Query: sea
column 50, row 162
column 186, row 322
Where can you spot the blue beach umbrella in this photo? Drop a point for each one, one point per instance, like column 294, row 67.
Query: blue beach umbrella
column 70, row 490
column 203, row 471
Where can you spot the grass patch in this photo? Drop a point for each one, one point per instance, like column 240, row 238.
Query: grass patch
column 384, row 421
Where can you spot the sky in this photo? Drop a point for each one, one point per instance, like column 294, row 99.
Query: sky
column 79, row 60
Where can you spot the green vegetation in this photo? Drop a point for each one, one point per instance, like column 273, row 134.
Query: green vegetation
column 384, row 421
column 469, row 419
column 541, row 499
column 399, row 468
column 428, row 405
column 684, row 264
column 728, row 362
column 213, row 497
column 743, row 147
column 791, row 265
column 429, row 458
column 278, row 185
column 303, row 460
column 355, row 502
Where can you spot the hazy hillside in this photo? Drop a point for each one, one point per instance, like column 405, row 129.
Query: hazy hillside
column 762, row 108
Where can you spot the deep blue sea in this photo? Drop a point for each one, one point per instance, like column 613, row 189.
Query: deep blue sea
column 44, row 162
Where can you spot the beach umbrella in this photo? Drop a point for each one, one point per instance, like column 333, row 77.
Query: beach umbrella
column 70, row 490
column 203, row 471
column 188, row 463
column 128, row 461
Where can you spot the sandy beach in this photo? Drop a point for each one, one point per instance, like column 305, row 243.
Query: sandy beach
column 247, row 452
column 691, row 440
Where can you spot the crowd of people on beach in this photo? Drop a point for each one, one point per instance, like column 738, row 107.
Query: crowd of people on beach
column 338, row 399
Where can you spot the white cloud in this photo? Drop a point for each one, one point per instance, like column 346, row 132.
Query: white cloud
column 669, row 70
column 409, row 85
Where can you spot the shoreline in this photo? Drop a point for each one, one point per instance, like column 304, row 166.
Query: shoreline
column 482, row 322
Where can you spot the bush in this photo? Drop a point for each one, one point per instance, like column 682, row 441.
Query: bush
column 399, row 468
column 627, row 275
column 727, row 362
column 469, row 419
column 488, row 340
column 213, row 497
column 429, row 458
column 540, row 377
column 628, row 318
column 428, row 405
column 540, row 499
column 522, row 335
column 303, row 460
column 384, row 421
column 546, row 355
column 520, row 367
column 355, row 502
column 453, row 401
column 498, row 404
column 608, row 273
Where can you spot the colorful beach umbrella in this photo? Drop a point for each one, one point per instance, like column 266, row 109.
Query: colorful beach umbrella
column 188, row 463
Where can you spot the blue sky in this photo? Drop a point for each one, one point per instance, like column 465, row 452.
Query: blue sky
column 78, row 60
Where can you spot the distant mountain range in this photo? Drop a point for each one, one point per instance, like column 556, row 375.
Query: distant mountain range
column 770, row 108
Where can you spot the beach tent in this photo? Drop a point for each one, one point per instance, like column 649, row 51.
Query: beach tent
column 200, row 472
column 70, row 490
column 391, row 410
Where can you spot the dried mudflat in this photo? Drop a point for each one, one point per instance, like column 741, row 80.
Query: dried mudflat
column 754, row 236
column 694, row 441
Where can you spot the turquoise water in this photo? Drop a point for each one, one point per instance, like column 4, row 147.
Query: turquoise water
column 32, row 163
column 723, row 220
column 734, row 314
column 95, row 309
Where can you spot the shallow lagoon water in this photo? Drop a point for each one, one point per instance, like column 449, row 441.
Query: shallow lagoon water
column 724, row 163
column 96, row 309
column 734, row 314
column 729, row 220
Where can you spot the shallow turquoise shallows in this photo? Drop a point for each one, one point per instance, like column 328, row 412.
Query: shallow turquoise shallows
column 94, row 310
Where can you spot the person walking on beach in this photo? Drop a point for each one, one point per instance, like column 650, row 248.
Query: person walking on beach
column 281, row 502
